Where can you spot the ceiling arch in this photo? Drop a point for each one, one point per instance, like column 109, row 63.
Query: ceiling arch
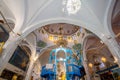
column 6, row 12
column 30, row 15
column 59, row 20
column 92, row 45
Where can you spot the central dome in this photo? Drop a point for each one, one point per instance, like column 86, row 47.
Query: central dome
column 61, row 29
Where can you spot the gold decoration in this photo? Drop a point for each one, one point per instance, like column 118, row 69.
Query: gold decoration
column 78, row 34
column 61, row 42
column 75, row 41
column 1, row 46
column 51, row 38
column 14, row 77
column 69, row 38
column 60, row 37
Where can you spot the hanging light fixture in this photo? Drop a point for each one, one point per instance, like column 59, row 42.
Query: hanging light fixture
column 72, row 6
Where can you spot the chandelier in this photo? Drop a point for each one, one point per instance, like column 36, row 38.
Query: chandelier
column 72, row 6
column 60, row 40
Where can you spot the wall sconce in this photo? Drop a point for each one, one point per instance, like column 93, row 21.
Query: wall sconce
column 103, row 59
column 90, row 65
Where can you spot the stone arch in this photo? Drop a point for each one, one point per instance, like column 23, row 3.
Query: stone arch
column 108, row 17
column 85, row 54
column 39, row 24
column 84, row 44
column 58, row 20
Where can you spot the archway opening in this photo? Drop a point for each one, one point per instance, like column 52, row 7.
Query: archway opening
column 100, row 60
column 68, row 35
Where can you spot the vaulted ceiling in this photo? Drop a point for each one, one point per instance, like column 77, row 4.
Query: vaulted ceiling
column 29, row 15
column 94, row 15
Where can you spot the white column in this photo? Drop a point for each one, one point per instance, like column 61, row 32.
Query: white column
column 113, row 47
column 85, row 62
column 8, row 51
column 29, row 72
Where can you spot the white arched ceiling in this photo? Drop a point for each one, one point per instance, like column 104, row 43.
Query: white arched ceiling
column 6, row 12
column 24, row 11
column 31, row 15
column 18, row 8
column 53, row 14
